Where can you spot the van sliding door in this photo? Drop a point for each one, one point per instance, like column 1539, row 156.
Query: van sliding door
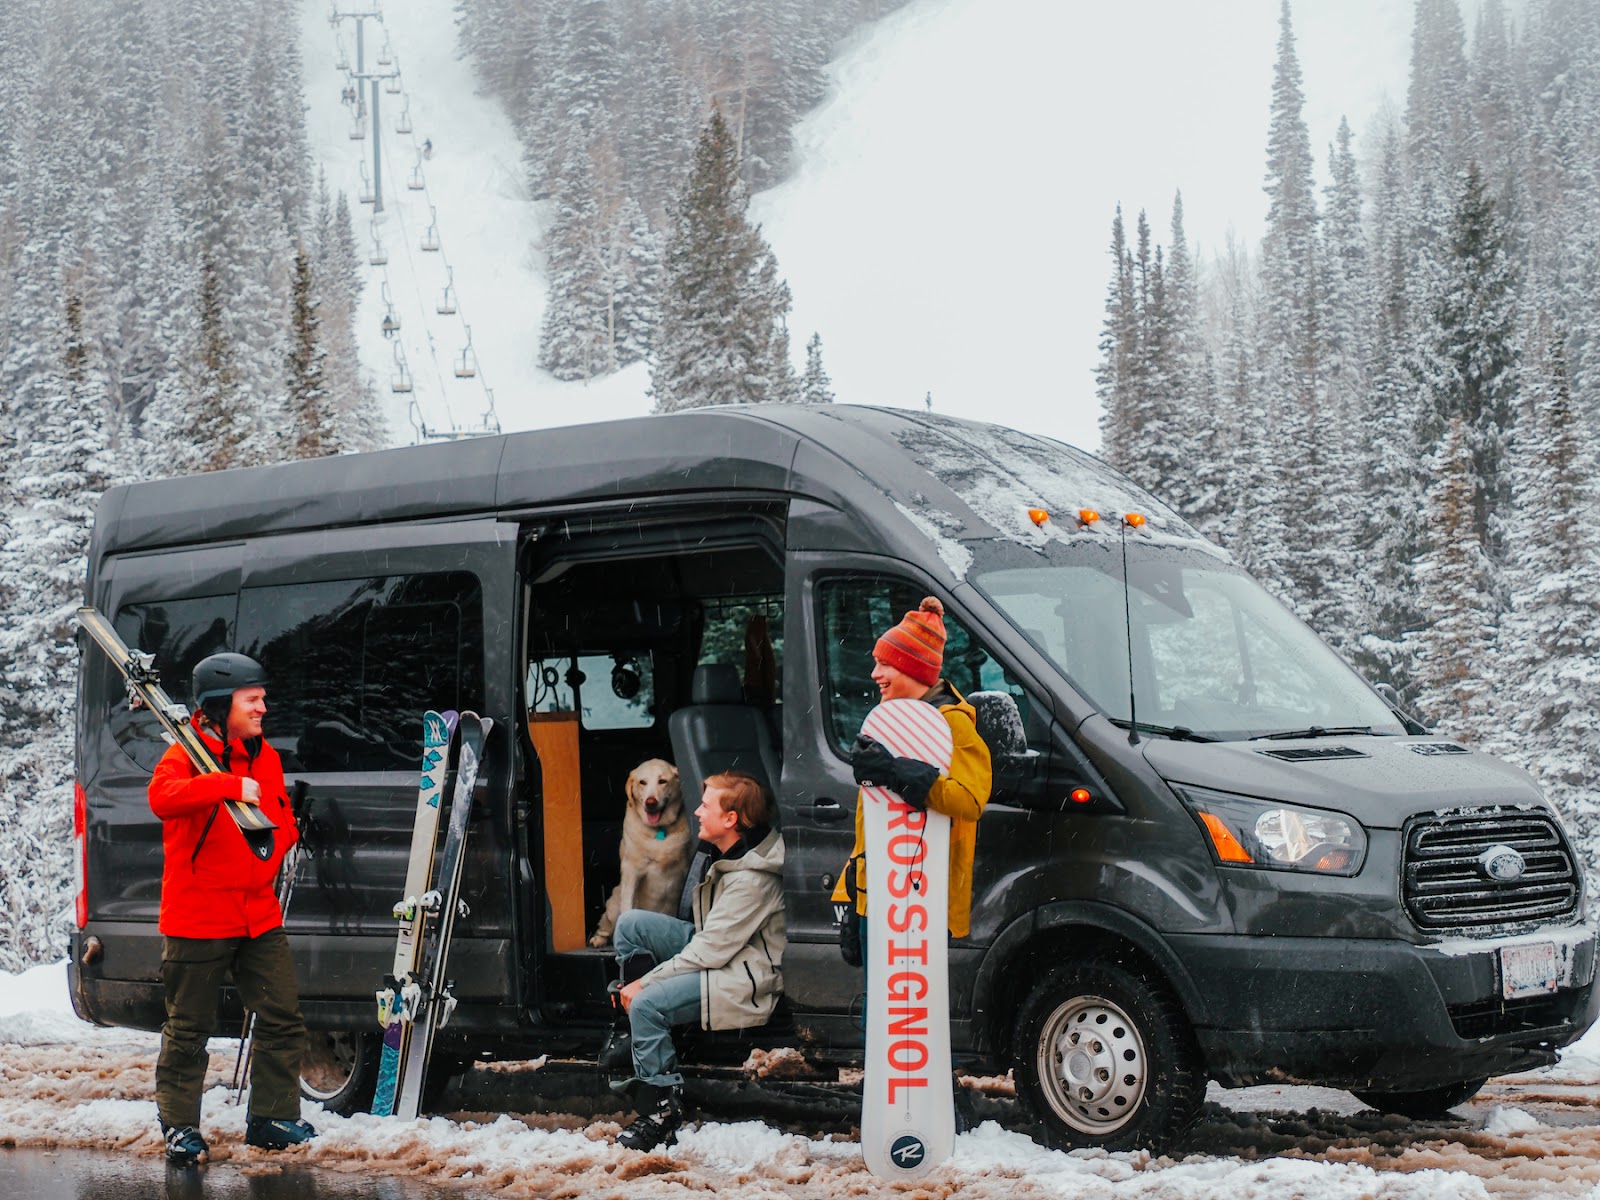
column 361, row 631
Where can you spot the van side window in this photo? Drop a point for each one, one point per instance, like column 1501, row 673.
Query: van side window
column 179, row 633
column 856, row 609
column 354, row 663
column 747, row 632
column 617, row 691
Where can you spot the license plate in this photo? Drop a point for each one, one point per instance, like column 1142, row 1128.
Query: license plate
column 1528, row 970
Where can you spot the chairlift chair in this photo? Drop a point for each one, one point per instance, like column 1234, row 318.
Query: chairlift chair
column 430, row 239
column 447, row 302
column 366, row 195
column 386, row 55
column 400, row 381
column 415, row 182
column 403, row 122
column 358, row 130
column 467, row 367
column 391, row 322
column 392, row 84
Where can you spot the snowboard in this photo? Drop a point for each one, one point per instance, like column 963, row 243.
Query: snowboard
column 138, row 671
column 437, row 730
column 907, row 1118
column 428, row 997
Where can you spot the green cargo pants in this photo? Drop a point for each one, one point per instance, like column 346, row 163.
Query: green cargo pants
column 192, row 971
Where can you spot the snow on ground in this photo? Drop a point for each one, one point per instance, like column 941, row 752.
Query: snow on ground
column 473, row 200
column 66, row 1084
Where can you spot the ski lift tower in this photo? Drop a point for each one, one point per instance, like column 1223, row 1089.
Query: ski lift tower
column 361, row 75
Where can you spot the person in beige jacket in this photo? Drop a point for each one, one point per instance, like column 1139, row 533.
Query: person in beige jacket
column 724, row 968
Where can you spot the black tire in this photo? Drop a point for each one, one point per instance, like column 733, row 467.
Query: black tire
column 1423, row 1105
column 340, row 1069
column 1105, row 1057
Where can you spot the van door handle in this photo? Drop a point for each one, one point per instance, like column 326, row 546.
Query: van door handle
column 827, row 811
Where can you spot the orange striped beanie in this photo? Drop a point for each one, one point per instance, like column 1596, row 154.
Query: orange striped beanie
column 916, row 645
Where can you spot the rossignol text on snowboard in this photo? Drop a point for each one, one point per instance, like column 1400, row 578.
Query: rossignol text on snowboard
column 138, row 670
column 907, row 1118
column 437, row 730
column 428, row 998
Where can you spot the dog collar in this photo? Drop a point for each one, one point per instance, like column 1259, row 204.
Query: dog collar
column 661, row 834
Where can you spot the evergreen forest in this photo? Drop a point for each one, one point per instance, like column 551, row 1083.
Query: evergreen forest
column 1388, row 410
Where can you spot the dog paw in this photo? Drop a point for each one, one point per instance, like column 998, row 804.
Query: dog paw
column 600, row 939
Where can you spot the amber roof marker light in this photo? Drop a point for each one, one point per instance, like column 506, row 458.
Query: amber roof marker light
column 1087, row 517
column 1038, row 516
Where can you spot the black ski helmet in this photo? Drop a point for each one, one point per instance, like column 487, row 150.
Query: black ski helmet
column 217, row 677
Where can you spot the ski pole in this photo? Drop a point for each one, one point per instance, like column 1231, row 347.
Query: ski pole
column 286, row 877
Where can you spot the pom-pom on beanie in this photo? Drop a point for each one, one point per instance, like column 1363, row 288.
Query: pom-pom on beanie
column 916, row 645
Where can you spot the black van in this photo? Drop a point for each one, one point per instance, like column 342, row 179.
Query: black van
column 1212, row 851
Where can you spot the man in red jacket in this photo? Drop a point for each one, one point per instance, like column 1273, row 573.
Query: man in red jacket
column 220, row 915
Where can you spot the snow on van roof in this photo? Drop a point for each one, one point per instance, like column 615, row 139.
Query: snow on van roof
column 1001, row 473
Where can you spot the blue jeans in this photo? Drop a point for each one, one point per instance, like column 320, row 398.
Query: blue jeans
column 661, row 1005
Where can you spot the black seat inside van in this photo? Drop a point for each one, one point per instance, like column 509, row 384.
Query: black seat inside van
column 717, row 731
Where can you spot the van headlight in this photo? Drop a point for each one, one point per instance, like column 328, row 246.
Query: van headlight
column 1275, row 836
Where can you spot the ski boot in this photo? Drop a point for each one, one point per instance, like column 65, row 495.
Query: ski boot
column 660, row 1113
column 267, row 1133
column 185, row 1146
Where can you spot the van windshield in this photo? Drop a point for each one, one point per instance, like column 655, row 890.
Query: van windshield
column 1212, row 652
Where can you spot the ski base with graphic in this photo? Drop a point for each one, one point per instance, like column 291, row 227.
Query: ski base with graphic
column 907, row 1113
column 428, row 998
column 393, row 1015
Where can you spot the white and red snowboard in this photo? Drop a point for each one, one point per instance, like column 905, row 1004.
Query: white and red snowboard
column 907, row 1119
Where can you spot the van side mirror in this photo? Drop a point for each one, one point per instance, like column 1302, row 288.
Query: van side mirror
column 1391, row 696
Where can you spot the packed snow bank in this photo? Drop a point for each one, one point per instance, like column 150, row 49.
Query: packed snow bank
column 63, row 1083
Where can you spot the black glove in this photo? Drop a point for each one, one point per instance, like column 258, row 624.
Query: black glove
column 872, row 763
column 912, row 779
column 874, row 766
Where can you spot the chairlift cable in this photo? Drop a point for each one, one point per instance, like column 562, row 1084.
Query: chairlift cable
column 406, row 239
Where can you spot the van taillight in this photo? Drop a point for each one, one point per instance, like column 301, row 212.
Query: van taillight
column 80, row 850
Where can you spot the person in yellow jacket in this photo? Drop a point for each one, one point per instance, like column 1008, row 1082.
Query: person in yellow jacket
column 907, row 662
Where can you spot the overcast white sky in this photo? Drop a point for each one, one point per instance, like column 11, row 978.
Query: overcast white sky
column 948, row 227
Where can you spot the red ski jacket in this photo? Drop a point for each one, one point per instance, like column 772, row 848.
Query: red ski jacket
column 212, row 886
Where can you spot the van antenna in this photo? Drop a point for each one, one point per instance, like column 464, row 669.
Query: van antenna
column 1127, row 617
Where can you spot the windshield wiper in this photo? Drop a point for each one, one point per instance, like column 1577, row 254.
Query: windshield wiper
column 1315, row 731
column 1178, row 733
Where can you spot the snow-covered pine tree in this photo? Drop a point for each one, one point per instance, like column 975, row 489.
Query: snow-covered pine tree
column 1454, row 649
column 815, row 386
column 313, row 429
column 574, row 340
column 1116, row 375
column 1314, row 540
column 1550, row 644
column 1475, row 355
column 57, row 482
column 722, row 338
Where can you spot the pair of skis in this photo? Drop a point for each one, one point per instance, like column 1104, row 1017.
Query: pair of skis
column 138, row 671
column 416, row 998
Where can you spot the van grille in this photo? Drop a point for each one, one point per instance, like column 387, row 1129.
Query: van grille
column 1446, row 889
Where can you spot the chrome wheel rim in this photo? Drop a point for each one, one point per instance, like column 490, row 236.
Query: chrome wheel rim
column 1092, row 1065
column 330, row 1061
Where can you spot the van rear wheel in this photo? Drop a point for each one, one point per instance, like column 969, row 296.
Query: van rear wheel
column 1105, row 1057
column 1430, row 1102
column 340, row 1069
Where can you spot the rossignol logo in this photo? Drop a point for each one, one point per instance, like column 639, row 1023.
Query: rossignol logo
column 907, row 1152
column 908, row 1050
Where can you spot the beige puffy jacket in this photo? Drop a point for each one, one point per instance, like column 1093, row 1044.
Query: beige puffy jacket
column 739, row 938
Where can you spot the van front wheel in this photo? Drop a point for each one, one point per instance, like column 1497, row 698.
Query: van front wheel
column 1105, row 1057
